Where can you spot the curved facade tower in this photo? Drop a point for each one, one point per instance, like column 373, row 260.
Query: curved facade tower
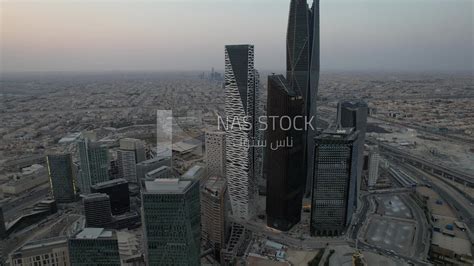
column 241, row 90
column 302, row 67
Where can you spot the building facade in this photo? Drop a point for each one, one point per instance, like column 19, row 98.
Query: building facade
column 302, row 66
column 171, row 219
column 284, row 166
column 97, row 210
column 213, row 207
column 117, row 190
column 94, row 164
column 45, row 252
column 152, row 164
column 333, row 195
column 131, row 152
column 94, row 246
column 374, row 161
column 215, row 153
column 241, row 91
column 62, row 177
column 3, row 230
column 354, row 114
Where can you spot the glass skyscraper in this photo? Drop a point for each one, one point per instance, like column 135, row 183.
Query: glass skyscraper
column 94, row 246
column 94, row 162
column 61, row 177
column 302, row 66
column 171, row 219
column 333, row 195
column 284, row 166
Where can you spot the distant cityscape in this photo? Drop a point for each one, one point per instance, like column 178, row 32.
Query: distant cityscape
column 382, row 174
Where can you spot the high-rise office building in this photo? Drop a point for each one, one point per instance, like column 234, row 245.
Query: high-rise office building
column 3, row 230
column 94, row 164
column 213, row 207
column 284, row 166
column 62, row 177
column 44, row 252
column 97, row 210
column 94, row 246
column 215, row 153
column 302, row 66
column 131, row 152
column 161, row 172
column 333, row 195
column 374, row 161
column 117, row 190
column 171, row 219
column 241, row 92
column 354, row 114
column 146, row 166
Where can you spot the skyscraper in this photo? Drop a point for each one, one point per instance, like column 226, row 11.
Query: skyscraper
column 302, row 66
column 374, row 160
column 171, row 219
column 131, row 152
column 332, row 201
column 241, row 90
column 213, row 206
column 215, row 153
column 97, row 210
column 94, row 246
column 94, row 162
column 354, row 114
column 284, row 166
column 118, row 193
column 61, row 177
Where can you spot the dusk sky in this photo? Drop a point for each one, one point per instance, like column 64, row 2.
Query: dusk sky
column 357, row 35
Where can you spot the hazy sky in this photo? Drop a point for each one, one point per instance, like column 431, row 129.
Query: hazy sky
column 388, row 35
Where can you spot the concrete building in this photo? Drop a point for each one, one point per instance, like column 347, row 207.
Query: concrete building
column 94, row 164
column 131, row 152
column 62, row 177
column 196, row 172
column 53, row 251
column 152, row 164
column 171, row 221
column 374, row 161
column 29, row 177
column 284, row 166
column 215, row 153
column 117, row 190
column 241, row 91
column 213, row 208
column 45, row 252
column 94, row 246
column 97, row 210
column 159, row 173
column 332, row 201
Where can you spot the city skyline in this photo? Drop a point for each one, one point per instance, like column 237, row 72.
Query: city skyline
column 362, row 35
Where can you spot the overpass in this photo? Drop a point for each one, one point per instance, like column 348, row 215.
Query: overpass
column 420, row 163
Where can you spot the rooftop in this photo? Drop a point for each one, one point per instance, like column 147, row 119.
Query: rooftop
column 172, row 185
column 94, row 233
column 193, row 171
column 110, row 183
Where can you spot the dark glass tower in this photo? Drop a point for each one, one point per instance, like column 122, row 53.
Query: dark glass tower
column 333, row 195
column 302, row 66
column 354, row 114
column 61, row 177
column 97, row 210
column 3, row 230
column 284, row 167
column 117, row 190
